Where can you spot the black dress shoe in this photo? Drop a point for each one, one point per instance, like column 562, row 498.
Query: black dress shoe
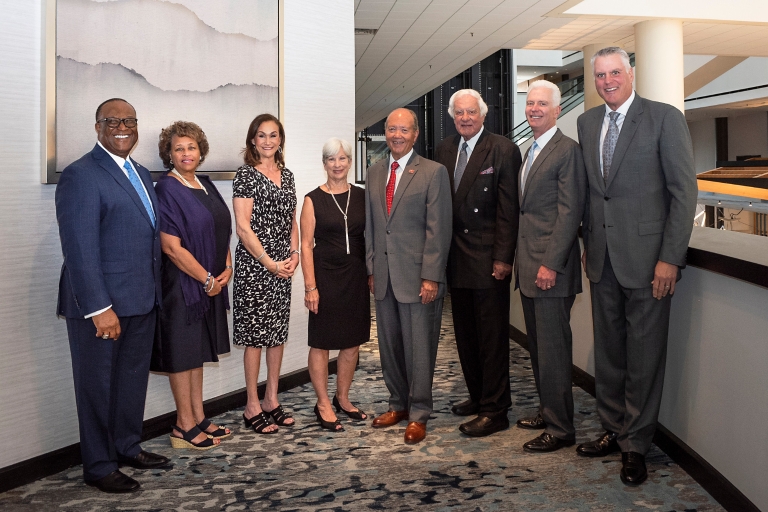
column 466, row 408
column 633, row 470
column 605, row 445
column 484, row 426
column 534, row 423
column 144, row 460
column 115, row 482
column 546, row 443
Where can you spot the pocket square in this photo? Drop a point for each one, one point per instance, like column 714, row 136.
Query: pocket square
column 488, row 171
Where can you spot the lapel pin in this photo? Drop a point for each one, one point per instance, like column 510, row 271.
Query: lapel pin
column 411, row 171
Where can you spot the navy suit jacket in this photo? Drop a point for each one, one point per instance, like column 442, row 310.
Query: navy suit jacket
column 111, row 251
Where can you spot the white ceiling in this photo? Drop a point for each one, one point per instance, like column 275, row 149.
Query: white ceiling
column 422, row 43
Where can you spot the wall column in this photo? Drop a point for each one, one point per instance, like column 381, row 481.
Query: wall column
column 591, row 98
column 659, row 67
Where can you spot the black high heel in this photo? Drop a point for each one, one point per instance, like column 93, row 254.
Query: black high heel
column 359, row 414
column 333, row 426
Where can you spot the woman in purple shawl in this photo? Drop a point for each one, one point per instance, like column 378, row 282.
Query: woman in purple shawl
column 195, row 227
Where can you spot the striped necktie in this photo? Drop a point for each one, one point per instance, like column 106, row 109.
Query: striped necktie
column 136, row 182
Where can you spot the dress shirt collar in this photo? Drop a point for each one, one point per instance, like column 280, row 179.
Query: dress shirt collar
column 401, row 162
column 118, row 160
column 546, row 137
column 471, row 142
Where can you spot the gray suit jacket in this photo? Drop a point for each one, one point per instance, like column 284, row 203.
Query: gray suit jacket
column 411, row 243
column 644, row 213
column 551, row 209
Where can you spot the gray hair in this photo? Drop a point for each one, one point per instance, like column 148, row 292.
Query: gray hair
column 332, row 147
column 612, row 50
column 546, row 84
column 467, row 92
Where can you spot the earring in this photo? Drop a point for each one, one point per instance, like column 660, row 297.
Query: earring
column 279, row 149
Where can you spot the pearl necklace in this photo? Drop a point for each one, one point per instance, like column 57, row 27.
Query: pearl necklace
column 343, row 212
column 188, row 184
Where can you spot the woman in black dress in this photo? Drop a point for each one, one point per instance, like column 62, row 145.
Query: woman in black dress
column 335, row 281
column 195, row 227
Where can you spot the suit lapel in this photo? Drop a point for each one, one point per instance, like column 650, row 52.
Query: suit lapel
column 472, row 169
column 405, row 179
column 109, row 165
column 377, row 182
column 454, row 153
column 543, row 154
column 592, row 144
column 628, row 129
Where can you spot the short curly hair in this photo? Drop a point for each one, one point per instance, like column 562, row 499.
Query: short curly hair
column 181, row 129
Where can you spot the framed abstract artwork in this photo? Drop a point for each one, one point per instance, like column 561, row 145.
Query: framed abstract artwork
column 213, row 63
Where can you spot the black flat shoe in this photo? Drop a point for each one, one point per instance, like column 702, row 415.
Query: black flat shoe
column 546, row 443
column 534, row 423
column 333, row 426
column 281, row 417
column 483, row 426
column 466, row 408
column 144, row 460
column 259, row 422
column 219, row 433
column 633, row 470
column 602, row 447
column 359, row 414
column 115, row 482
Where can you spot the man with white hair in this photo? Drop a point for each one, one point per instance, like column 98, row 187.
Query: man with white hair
column 553, row 187
column 482, row 168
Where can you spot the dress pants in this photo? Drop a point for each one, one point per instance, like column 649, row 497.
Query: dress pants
column 631, row 329
column 481, row 325
column 110, row 389
column 408, row 335
column 548, row 324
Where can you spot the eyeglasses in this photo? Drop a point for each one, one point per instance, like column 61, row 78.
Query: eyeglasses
column 114, row 122
column 469, row 112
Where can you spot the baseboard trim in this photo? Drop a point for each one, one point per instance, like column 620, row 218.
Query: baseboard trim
column 719, row 487
column 47, row 464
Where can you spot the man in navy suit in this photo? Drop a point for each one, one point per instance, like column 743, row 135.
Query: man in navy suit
column 109, row 293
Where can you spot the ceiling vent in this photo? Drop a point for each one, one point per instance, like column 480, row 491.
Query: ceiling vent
column 366, row 31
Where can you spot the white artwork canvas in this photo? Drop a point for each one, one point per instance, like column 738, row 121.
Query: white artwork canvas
column 211, row 62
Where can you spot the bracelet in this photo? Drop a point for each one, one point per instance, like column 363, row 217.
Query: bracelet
column 229, row 267
column 207, row 282
column 277, row 267
column 295, row 251
column 310, row 289
column 262, row 255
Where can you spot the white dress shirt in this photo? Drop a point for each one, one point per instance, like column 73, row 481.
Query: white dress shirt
column 399, row 171
column 540, row 143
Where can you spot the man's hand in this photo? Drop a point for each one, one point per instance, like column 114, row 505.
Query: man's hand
column 428, row 291
column 107, row 323
column 370, row 284
column 545, row 279
column 664, row 278
column 501, row 270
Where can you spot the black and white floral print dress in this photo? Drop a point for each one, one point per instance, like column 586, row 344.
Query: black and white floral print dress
column 262, row 301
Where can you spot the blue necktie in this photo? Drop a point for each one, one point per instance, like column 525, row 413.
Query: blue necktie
column 136, row 182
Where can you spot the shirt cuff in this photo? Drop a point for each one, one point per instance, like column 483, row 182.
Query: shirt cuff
column 98, row 312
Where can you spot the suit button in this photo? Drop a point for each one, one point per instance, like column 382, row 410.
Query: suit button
column 606, row 198
column 389, row 232
column 385, row 253
column 476, row 210
column 466, row 231
column 485, row 189
column 603, row 225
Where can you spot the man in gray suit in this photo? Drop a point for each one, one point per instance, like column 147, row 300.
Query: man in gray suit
column 407, row 238
column 553, row 188
column 641, row 202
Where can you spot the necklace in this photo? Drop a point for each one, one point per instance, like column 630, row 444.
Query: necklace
column 188, row 184
column 343, row 212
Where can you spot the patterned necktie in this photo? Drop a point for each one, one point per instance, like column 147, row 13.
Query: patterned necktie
column 609, row 143
column 391, row 186
column 460, row 166
column 136, row 182
column 528, row 164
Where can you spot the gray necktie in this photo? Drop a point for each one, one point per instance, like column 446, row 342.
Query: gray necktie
column 460, row 166
column 528, row 164
column 609, row 143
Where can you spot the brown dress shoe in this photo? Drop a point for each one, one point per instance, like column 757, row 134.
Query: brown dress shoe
column 415, row 432
column 389, row 418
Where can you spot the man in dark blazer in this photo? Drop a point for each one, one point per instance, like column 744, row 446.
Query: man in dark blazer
column 641, row 202
column 109, row 293
column 553, row 187
column 482, row 171
column 407, row 238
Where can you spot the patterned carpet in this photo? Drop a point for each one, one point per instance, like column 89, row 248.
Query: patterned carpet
column 305, row 468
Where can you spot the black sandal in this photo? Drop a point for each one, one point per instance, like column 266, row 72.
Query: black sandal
column 219, row 433
column 333, row 426
column 259, row 423
column 280, row 416
column 359, row 414
column 186, row 441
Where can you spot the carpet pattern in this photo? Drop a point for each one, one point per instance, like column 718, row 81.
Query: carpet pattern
column 305, row 468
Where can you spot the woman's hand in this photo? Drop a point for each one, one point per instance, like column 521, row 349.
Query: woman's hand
column 283, row 269
column 225, row 277
column 215, row 289
column 312, row 300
